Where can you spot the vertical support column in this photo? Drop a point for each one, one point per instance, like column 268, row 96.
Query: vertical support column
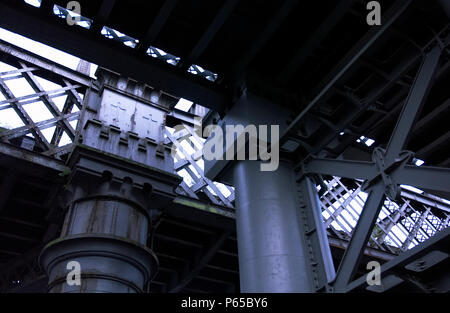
column 271, row 251
column 120, row 171
column 105, row 231
column 319, row 256
column 270, row 231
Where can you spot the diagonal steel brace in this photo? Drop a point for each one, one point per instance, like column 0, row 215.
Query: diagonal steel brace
column 392, row 190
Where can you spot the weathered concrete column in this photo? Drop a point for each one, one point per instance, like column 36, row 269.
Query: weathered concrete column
column 271, row 253
column 121, row 170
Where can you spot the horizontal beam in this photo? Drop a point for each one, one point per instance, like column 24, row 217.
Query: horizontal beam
column 103, row 14
column 347, row 62
column 158, row 24
column 340, row 168
column 441, row 141
column 369, row 101
column 424, row 177
column 184, row 117
column 426, row 199
column 437, row 242
column 37, row 95
column 314, row 40
column 21, row 131
column 110, row 54
column 18, row 71
column 427, row 120
column 371, row 252
column 209, row 34
column 35, row 158
column 45, row 64
column 266, row 34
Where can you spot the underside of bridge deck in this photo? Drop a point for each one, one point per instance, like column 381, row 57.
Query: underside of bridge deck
column 113, row 176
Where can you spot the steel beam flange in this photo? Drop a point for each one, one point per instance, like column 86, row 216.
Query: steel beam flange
column 392, row 190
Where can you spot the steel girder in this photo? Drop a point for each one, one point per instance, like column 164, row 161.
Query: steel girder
column 426, row 177
column 410, row 263
column 408, row 174
column 380, row 188
column 44, row 27
column 352, row 56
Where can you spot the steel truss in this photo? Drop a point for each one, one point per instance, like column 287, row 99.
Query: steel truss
column 29, row 67
column 384, row 174
column 359, row 201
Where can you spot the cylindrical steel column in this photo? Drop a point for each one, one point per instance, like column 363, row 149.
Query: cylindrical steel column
column 271, row 251
column 105, row 231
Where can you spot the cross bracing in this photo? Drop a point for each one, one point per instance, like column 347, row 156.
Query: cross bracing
column 360, row 90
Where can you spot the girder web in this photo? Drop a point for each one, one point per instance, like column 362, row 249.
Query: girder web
column 133, row 43
column 400, row 225
column 190, row 165
column 35, row 113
